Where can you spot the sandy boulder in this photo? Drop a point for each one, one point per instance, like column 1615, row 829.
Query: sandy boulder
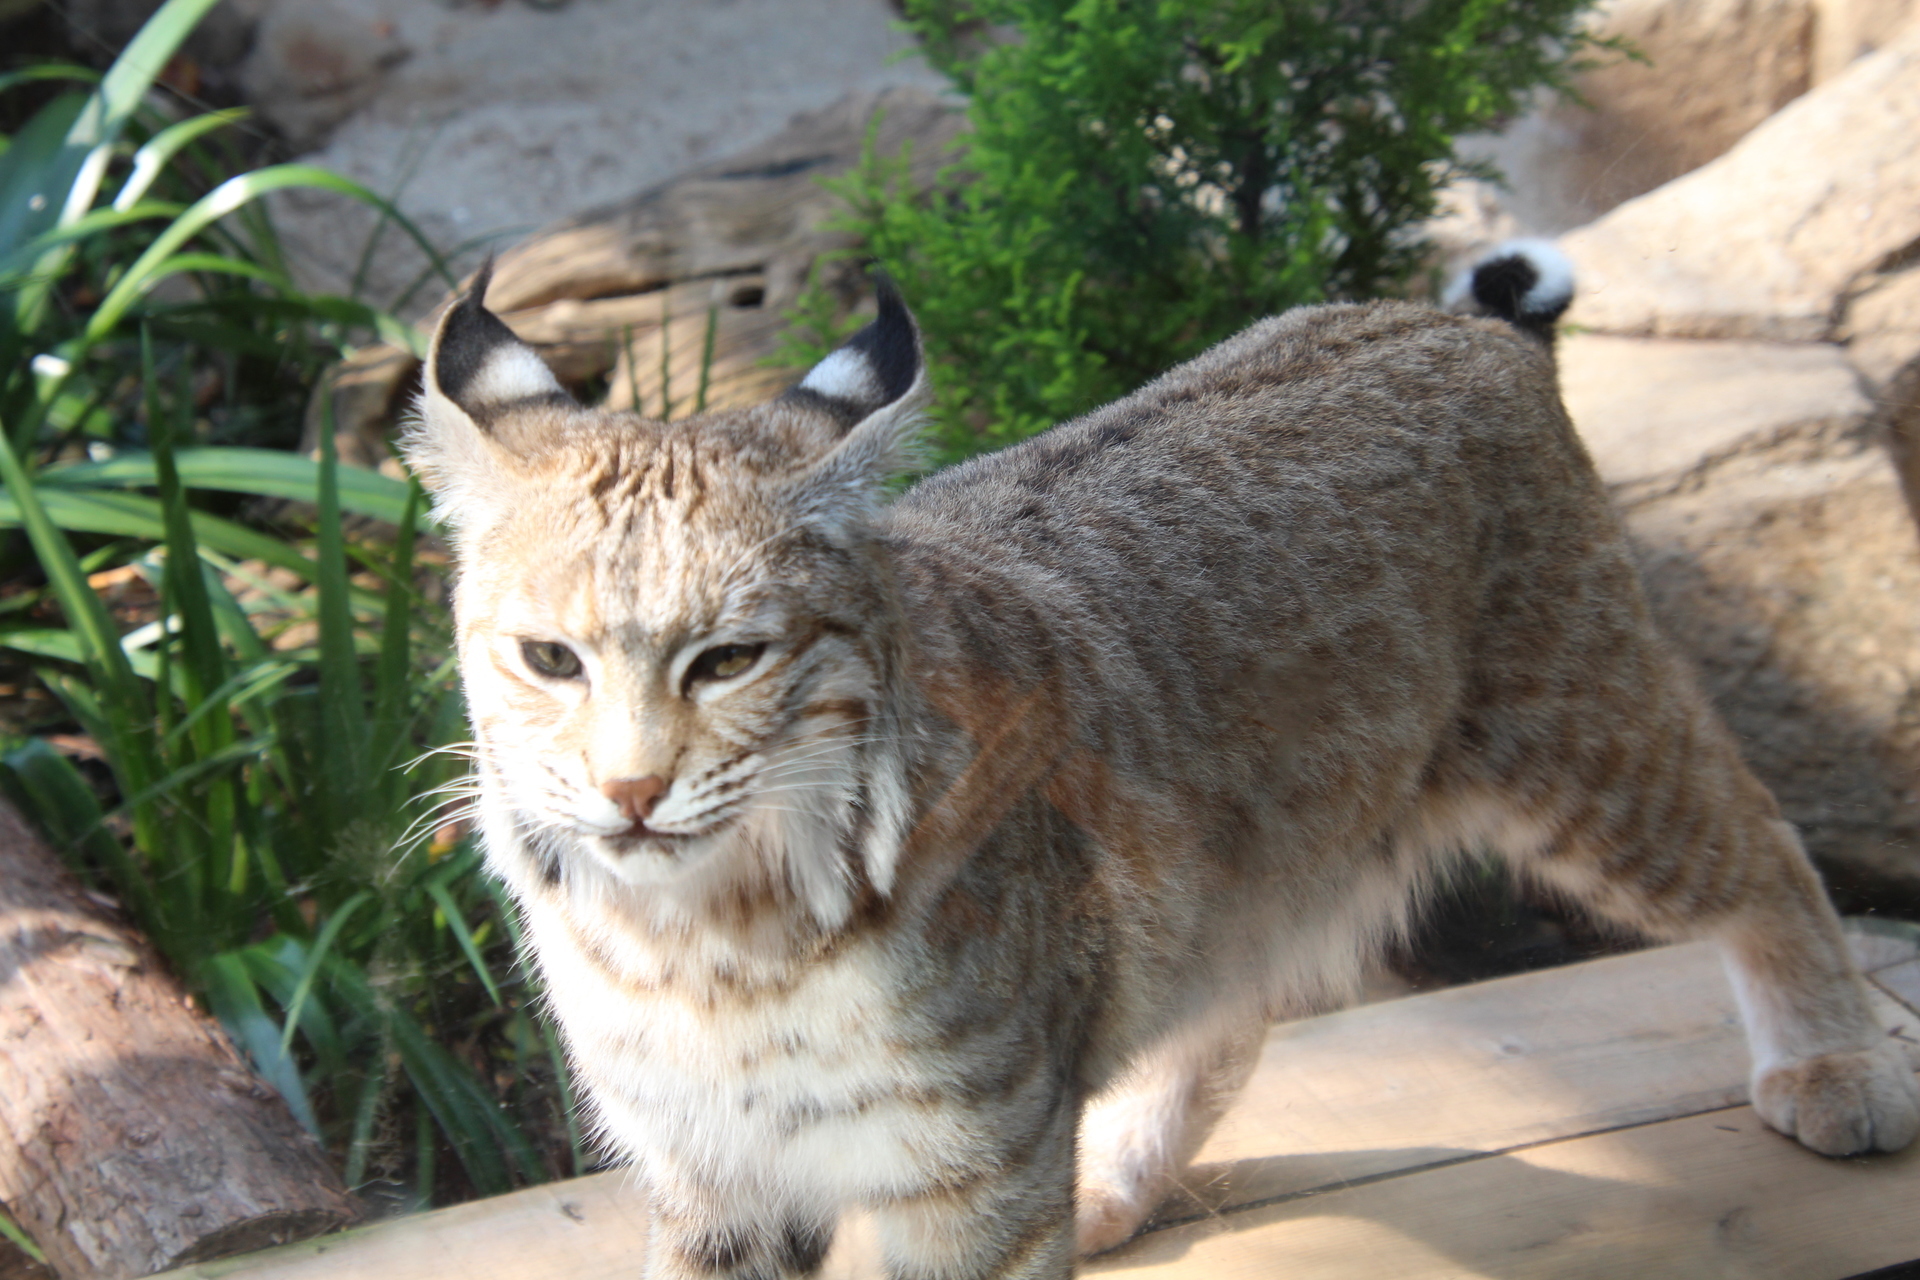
column 505, row 118
column 1713, row 69
column 1779, row 553
column 314, row 63
column 1881, row 326
column 1765, row 241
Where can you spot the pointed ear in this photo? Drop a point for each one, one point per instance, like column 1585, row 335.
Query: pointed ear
column 481, row 389
column 876, row 385
column 876, row 369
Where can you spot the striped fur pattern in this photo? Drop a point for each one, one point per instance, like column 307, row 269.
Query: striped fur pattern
column 948, row 856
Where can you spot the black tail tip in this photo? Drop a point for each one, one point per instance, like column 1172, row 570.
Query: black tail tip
column 1527, row 283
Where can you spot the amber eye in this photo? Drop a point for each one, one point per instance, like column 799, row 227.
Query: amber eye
column 724, row 662
column 552, row 660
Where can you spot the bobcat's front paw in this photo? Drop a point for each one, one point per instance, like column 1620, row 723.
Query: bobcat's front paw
column 1841, row 1104
column 1106, row 1217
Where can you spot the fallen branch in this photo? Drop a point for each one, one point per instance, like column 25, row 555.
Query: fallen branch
column 133, row 1137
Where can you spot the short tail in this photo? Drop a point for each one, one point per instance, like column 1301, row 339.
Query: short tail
column 1527, row 283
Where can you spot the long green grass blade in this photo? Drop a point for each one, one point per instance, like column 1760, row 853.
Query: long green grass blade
column 134, row 515
column 240, row 688
column 265, row 473
column 343, row 714
column 315, row 957
column 21, row 1241
column 231, row 756
column 236, row 1002
column 49, row 71
column 67, row 646
column 133, row 73
column 122, row 700
column 393, row 684
column 84, row 611
column 465, row 1113
column 223, row 200
column 60, row 187
column 23, row 263
column 456, row 922
column 206, row 663
column 30, row 193
column 275, row 965
column 153, row 157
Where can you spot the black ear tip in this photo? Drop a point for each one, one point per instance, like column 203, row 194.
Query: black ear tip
column 476, row 295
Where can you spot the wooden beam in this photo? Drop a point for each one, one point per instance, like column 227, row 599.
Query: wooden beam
column 1717, row 1194
column 1597, row 1103
column 132, row 1136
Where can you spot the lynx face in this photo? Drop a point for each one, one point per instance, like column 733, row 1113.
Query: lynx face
column 677, row 681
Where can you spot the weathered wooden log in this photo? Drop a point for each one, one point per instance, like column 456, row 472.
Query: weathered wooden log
column 132, row 1136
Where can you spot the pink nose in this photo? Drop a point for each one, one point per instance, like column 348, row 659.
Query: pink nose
column 636, row 796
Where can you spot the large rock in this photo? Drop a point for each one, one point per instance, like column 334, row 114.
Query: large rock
column 508, row 117
column 1848, row 29
column 1778, row 551
column 1881, row 325
column 1652, row 412
column 1713, row 69
column 1710, row 71
column 313, row 63
column 1765, row 241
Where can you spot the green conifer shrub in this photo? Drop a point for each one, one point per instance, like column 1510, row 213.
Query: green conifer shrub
column 1144, row 177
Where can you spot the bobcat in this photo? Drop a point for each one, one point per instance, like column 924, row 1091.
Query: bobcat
column 949, row 856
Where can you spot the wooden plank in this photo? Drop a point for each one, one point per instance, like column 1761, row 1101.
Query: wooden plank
column 1902, row 981
column 1700, row 1196
column 1431, row 1079
column 591, row 1228
column 1404, row 1088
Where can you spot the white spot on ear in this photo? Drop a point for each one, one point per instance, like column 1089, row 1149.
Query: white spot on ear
column 844, row 375
column 511, row 372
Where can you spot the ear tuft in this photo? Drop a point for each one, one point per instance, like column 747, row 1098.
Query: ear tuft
column 875, row 386
column 479, row 364
column 876, row 367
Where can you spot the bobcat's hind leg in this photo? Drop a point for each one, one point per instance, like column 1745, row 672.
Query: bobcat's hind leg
column 1690, row 845
column 1138, row 1133
column 1823, row 1070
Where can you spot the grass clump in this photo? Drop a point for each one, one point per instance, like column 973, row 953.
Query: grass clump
column 276, row 721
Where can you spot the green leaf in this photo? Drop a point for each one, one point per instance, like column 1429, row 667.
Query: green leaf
column 235, row 1000
column 315, row 957
column 159, row 150
column 266, row 473
column 343, row 713
column 20, row 1239
column 157, row 262
column 122, row 701
column 137, row 516
column 450, row 911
